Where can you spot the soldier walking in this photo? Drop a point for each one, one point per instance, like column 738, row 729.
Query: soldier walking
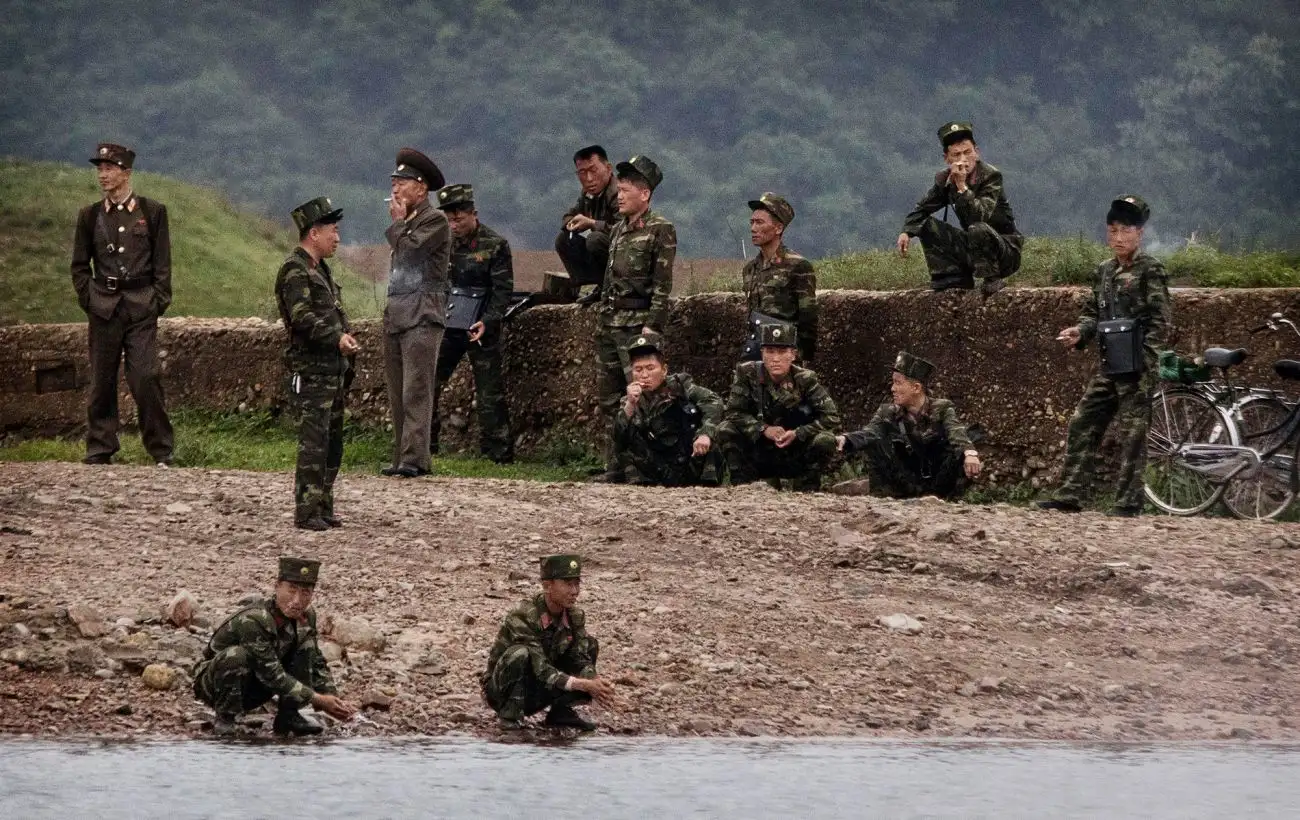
column 583, row 241
column 780, row 285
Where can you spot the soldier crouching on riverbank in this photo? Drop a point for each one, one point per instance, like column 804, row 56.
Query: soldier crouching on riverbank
column 269, row 649
column 544, row 657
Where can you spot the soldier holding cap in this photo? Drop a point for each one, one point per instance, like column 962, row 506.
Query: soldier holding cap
column 915, row 445
column 988, row 244
column 543, row 655
column 269, row 649
column 319, row 359
column 482, row 279
column 122, row 273
column 663, row 434
column 416, row 312
column 779, row 420
column 779, row 283
column 1131, row 286
column 583, row 241
column 638, row 279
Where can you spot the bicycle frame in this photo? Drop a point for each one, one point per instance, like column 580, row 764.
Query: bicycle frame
column 1222, row 462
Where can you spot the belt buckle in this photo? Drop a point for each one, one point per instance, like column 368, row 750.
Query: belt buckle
column 111, row 282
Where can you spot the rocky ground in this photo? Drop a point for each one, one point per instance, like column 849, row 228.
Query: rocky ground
column 720, row 612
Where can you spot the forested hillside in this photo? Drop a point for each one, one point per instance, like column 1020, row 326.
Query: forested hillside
column 1191, row 103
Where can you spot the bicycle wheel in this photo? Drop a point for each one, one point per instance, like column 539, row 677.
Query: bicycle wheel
column 1178, row 417
column 1262, row 493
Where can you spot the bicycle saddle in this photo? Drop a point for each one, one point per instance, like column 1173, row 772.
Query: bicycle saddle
column 1287, row 369
column 1223, row 357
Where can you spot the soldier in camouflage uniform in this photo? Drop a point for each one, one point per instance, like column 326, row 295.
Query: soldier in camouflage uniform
column 634, row 299
column 543, row 655
column 1132, row 285
column 583, row 241
column 779, row 283
column 915, row 445
column 988, row 244
column 779, row 421
column 269, row 649
column 663, row 434
column 480, row 261
column 319, row 360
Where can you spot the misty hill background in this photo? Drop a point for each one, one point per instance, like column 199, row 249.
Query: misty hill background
column 1191, row 103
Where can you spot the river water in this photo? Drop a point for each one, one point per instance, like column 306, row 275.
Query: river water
column 594, row 779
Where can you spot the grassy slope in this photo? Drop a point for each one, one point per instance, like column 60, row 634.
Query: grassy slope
column 223, row 260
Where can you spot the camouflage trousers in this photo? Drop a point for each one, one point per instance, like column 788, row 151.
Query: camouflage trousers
column 955, row 256
column 316, row 402
column 803, row 462
column 513, row 691
column 899, row 471
column 495, row 441
column 584, row 258
column 1105, row 400
column 226, row 681
column 642, row 465
column 615, row 373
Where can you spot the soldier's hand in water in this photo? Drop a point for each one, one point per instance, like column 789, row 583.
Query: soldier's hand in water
column 580, row 223
column 476, row 331
column 903, row 241
column 1069, row 337
column 333, row 706
column 701, row 446
column 348, row 344
column 600, row 689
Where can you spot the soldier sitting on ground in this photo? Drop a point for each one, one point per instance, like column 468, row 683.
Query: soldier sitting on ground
column 269, row 649
column 779, row 420
column 664, row 432
column 543, row 655
column 915, row 445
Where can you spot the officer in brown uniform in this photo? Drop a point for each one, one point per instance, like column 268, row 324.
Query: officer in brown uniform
column 583, row 241
column 122, row 272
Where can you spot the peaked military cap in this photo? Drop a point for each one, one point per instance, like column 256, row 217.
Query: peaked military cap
column 411, row 164
column 318, row 211
column 955, row 132
column 774, row 204
column 643, row 167
column 645, row 343
column 778, row 334
column 119, row 155
column 561, row 566
column 299, row 570
column 1128, row 210
column 913, row 367
column 451, row 196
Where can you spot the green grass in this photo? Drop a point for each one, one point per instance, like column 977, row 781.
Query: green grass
column 223, row 260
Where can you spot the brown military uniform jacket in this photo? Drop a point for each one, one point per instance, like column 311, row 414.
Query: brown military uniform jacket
column 603, row 207
column 417, row 278
column 123, row 254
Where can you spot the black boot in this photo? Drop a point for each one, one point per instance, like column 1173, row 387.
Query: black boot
column 562, row 715
column 291, row 721
column 313, row 524
column 1063, row 506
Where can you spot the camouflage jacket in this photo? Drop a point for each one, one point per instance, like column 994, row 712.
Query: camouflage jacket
column 417, row 272
column 308, row 299
column 603, row 207
column 547, row 639
column 483, row 261
column 785, row 288
column 1140, row 291
column 660, row 422
column 641, row 256
column 984, row 201
column 936, row 425
column 800, row 402
column 271, row 641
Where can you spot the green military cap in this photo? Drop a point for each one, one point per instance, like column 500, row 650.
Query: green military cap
column 299, row 570
column 778, row 334
column 119, row 155
column 951, row 132
column 561, row 566
column 1128, row 210
column 461, row 194
column 318, row 211
column 774, row 204
column 411, row 164
column 913, row 367
column 645, row 343
column 643, row 167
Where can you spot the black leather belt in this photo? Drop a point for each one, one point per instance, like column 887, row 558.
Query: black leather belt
column 115, row 283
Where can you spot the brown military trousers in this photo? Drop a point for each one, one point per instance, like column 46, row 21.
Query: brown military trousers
column 135, row 338
column 411, row 367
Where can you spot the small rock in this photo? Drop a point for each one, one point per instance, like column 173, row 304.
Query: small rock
column 468, row 619
column 181, row 610
column 748, row 728
column 355, row 633
column 798, row 683
column 898, row 622
column 853, row 487
column 942, row 533
column 159, row 676
column 1113, row 691
column 179, row 508
column 330, row 651
column 20, row 631
column 90, row 623
column 1241, row 733
column 990, row 683
column 124, row 709
column 698, row 725
column 103, row 674
column 86, row 658
column 517, row 575
column 920, row 568
column 969, row 689
column 377, row 700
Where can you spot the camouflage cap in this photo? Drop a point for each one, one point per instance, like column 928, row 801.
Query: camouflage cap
column 299, row 570
column 1128, row 210
column 318, row 211
column 779, row 334
column 451, row 196
column 776, row 205
column 561, row 566
column 645, row 343
column 951, row 132
column 913, row 367
column 119, row 155
column 642, row 167
column 411, row 164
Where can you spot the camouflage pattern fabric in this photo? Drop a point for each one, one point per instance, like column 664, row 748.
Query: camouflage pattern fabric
column 908, row 456
column 615, row 366
column 987, row 245
column 533, row 657
column 653, row 445
column 316, row 404
column 258, row 653
column 785, row 288
column 641, row 256
column 495, row 440
column 483, row 261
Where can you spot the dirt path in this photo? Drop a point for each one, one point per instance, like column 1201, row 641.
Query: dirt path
column 719, row 611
